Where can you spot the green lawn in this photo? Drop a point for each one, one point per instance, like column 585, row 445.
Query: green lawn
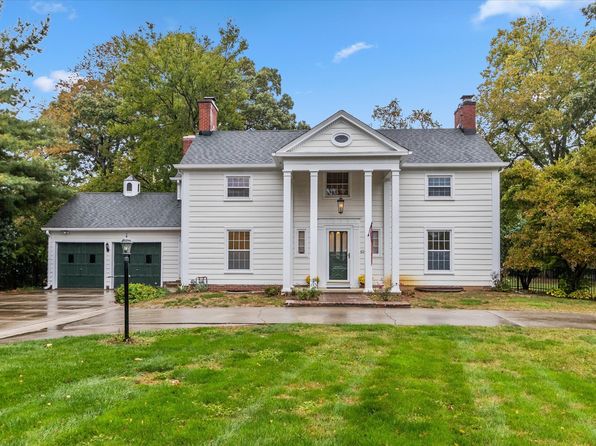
column 303, row 385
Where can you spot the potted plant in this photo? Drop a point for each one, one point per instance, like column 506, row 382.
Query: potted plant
column 361, row 280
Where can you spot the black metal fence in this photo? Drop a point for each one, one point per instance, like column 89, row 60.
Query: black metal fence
column 550, row 279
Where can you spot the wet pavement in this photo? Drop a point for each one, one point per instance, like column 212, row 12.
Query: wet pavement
column 74, row 313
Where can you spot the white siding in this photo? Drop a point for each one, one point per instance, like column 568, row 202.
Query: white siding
column 170, row 250
column 210, row 215
column 361, row 141
column 469, row 216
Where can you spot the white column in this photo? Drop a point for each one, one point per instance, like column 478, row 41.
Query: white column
column 314, row 219
column 287, row 233
column 368, row 282
column 387, row 225
column 395, row 231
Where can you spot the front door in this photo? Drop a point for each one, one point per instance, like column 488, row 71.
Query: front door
column 338, row 255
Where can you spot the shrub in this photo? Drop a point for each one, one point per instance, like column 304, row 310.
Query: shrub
column 498, row 283
column 384, row 294
column 272, row 291
column 138, row 292
column 556, row 292
column 582, row 294
column 308, row 293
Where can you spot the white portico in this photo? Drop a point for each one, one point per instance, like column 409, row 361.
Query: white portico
column 341, row 187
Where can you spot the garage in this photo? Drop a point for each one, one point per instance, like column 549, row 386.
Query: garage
column 80, row 265
column 144, row 267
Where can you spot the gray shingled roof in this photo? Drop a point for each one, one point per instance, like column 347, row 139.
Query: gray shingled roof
column 442, row 146
column 257, row 146
column 114, row 210
column 238, row 147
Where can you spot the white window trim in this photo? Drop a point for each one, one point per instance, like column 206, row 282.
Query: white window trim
column 226, row 198
column 341, row 144
column 439, row 174
column 450, row 271
column 380, row 231
column 226, row 251
column 335, row 197
column 306, row 242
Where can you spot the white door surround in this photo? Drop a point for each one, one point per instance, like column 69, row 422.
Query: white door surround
column 351, row 226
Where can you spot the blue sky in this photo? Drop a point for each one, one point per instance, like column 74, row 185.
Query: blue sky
column 331, row 54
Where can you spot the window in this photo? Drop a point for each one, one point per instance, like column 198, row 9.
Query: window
column 439, row 250
column 238, row 186
column 91, row 258
column 439, row 186
column 148, row 258
column 301, row 242
column 337, row 184
column 129, row 187
column 238, row 250
column 375, row 241
column 70, row 258
column 341, row 139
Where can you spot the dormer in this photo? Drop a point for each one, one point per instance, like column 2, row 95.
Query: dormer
column 131, row 187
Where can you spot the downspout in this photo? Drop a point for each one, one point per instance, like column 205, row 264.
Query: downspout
column 48, row 286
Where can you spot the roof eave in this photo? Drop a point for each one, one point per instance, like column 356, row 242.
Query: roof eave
column 135, row 228
column 483, row 165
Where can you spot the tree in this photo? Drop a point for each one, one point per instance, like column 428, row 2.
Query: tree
column 157, row 80
column 538, row 96
column 558, row 215
column 29, row 185
column 391, row 116
column 85, row 112
column 16, row 45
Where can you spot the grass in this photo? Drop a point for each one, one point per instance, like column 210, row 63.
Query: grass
column 213, row 299
column 299, row 385
column 500, row 301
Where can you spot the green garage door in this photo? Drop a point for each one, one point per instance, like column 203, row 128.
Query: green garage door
column 145, row 264
column 80, row 265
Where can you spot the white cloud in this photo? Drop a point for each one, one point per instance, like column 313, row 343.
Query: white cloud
column 46, row 8
column 49, row 83
column 350, row 50
column 516, row 8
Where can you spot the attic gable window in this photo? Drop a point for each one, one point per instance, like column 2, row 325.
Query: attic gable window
column 238, row 187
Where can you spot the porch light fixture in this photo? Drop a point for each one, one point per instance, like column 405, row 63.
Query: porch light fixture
column 126, row 248
column 340, row 205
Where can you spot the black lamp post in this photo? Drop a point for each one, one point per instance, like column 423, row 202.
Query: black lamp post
column 126, row 248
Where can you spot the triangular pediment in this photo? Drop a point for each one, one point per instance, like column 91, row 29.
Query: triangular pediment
column 356, row 138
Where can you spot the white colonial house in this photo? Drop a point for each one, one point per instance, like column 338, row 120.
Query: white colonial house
column 256, row 208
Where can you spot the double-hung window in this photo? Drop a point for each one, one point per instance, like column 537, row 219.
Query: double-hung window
column 438, row 250
column 439, row 186
column 238, row 186
column 375, row 241
column 238, row 250
column 338, row 184
column 301, row 242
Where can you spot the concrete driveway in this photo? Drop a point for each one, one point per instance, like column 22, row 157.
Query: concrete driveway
column 45, row 312
column 74, row 313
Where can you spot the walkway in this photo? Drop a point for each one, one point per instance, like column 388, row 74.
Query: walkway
column 56, row 314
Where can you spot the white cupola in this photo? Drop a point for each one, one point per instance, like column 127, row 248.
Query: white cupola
column 131, row 187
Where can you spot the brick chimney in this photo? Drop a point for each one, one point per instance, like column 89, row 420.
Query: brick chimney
column 207, row 115
column 186, row 142
column 465, row 115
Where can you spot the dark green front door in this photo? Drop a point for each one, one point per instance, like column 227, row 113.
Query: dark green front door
column 338, row 255
column 144, row 267
column 80, row 265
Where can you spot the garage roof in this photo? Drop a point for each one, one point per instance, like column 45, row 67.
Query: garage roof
column 99, row 210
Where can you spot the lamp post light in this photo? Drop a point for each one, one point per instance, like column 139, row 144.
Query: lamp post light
column 126, row 248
